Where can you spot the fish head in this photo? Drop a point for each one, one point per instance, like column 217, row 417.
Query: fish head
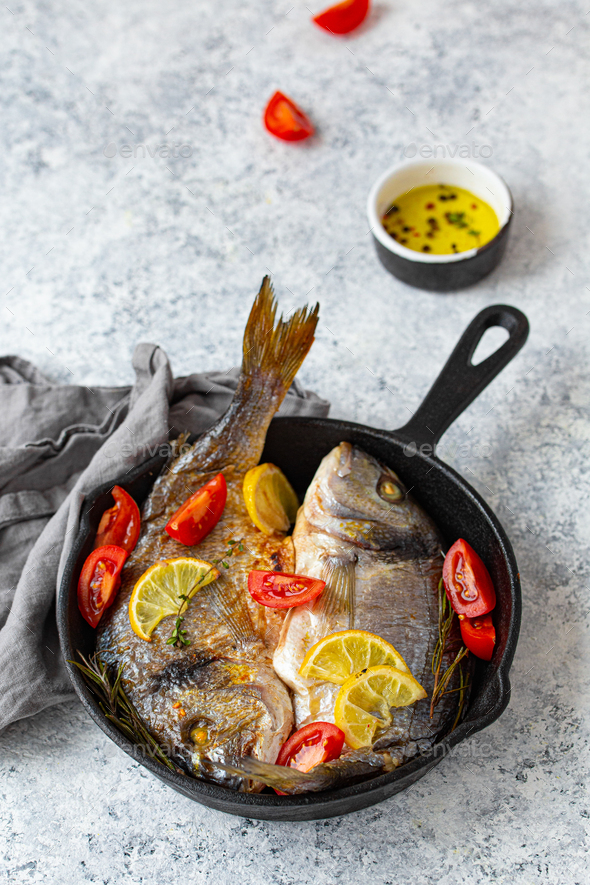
column 223, row 709
column 360, row 500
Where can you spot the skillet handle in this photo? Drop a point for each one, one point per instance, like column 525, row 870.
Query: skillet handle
column 460, row 381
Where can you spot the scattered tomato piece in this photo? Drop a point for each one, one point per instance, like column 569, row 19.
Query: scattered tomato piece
column 278, row 590
column 309, row 746
column 284, row 119
column 467, row 581
column 343, row 17
column 99, row 581
column 479, row 635
column 119, row 524
column 200, row 513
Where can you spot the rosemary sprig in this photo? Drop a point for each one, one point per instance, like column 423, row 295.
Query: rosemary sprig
column 446, row 619
column 117, row 707
column 463, row 686
column 178, row 636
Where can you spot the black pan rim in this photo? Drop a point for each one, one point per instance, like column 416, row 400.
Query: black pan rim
column 217, row 796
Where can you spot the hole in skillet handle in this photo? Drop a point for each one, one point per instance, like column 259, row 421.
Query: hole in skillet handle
column 491, row 341
column 460, row 381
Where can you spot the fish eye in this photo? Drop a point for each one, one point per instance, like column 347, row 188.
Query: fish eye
column 390, row 491
column 199, row 734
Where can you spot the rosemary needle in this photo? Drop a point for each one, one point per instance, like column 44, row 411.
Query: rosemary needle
column 446, row 620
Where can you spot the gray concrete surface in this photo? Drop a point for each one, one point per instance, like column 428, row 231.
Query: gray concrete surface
column 99, row 252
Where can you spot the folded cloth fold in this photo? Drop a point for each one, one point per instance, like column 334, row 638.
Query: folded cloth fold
column 57, row 443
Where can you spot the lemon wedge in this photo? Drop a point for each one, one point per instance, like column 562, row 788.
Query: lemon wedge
column 157, row 593
column 364, row 703
column 270, row 499
column 337, row 657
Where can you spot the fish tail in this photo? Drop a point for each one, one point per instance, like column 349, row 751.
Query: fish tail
column 273, row 351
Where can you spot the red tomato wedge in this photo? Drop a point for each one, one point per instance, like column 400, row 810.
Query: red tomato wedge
column 314, row 743
column 99, row 581
column 285, row 120
column 479, row 635
column 344, row 17
column 200, row 513
column 467, row 581
column 120, row 524
column 278, row 590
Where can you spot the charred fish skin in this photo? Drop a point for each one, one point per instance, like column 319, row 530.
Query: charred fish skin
column 380, row 554
column 218, row 697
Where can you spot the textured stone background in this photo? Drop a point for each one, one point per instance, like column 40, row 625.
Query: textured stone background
column 99, row 253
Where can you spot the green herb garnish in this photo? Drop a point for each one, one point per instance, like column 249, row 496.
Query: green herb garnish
column 446, row 619
column 457, row 218
column 117, row 707
column 178, row 636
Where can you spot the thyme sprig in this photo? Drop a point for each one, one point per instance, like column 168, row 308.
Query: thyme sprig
column 117, row 707
column 178, row 636
column 446, row 619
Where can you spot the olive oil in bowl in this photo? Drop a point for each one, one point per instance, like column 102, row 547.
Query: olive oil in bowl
column 440, row 219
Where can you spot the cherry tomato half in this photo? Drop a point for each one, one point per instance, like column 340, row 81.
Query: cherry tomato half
column 120, row 524
column 285, row 120
column 314, row 743
column 479, row 635
column 99, row 581
column 344, row 17
column 200, row 513
column 467, row 581
column 278, row 590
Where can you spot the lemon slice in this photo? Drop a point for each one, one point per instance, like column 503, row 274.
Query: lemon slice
column 364, row 702
column 157, row 594
column 270, row 499
column 337, row 657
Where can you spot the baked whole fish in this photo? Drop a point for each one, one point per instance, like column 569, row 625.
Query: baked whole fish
column 218, row 698
column 380, row 554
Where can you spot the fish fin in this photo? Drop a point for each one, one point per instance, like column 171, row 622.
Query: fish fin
column 229, row 604
column 339, row 594
column 325, row 776
column 279, row 777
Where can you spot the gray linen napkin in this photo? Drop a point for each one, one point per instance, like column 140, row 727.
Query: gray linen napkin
column 57, row 443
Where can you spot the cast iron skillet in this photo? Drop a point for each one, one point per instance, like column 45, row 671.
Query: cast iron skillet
column 297, row 445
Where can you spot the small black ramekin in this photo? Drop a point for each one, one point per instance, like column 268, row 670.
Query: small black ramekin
column 439, row 273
